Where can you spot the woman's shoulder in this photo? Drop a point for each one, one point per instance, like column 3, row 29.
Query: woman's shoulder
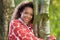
column 14, row 21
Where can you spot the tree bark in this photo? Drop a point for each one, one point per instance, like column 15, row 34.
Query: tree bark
column 44, row 26
column 1, row 20
column 35, row 2
column 7, row 16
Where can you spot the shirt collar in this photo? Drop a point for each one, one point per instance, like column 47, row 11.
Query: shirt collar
column 22, row 21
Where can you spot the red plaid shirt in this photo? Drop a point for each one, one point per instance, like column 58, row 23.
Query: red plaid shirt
column 19, row 31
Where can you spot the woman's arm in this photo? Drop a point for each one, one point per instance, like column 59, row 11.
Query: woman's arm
column 52, row 37
column 22, row 33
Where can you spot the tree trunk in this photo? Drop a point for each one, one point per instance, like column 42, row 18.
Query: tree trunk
column 7, row 16
column 44, row 26
column 35, row 17
column 41, row 22
column 1, row 20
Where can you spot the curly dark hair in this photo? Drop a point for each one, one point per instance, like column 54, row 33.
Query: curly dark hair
column 20, row 8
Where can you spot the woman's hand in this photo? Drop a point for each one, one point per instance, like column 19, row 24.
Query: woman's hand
column 52, row 37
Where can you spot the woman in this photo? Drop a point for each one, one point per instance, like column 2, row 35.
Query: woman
column 21, row 26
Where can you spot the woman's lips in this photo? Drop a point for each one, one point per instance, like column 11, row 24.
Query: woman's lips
column 26, row 19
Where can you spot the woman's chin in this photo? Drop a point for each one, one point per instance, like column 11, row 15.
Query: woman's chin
column 26, row 22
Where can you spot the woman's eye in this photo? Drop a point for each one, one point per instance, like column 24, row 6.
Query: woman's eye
column 31, row 14
column 26, row 13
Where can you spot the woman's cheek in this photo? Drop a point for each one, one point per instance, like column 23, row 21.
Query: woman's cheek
column 31, row 17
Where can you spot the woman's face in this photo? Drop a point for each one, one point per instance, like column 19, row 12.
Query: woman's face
column 27, row 14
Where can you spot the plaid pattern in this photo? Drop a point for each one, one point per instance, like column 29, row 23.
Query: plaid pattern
column 19, row 31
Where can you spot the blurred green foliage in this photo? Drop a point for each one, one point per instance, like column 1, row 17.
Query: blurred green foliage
column 55, row 18
column 17, row 2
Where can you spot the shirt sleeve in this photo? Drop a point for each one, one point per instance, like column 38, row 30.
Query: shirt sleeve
column 21, row 33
